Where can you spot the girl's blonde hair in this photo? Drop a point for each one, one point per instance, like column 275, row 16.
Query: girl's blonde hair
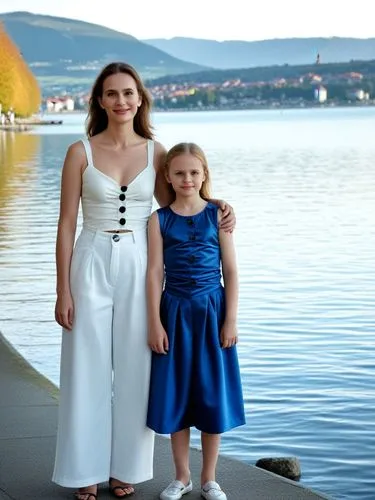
column 194, row 150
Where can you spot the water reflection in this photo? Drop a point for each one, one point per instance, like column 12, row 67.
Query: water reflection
column 305, row 239
column 19, row 155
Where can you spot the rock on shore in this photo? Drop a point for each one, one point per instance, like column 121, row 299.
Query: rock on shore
column 288, row 467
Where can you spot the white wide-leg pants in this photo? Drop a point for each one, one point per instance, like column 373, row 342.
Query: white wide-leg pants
column 105, row 365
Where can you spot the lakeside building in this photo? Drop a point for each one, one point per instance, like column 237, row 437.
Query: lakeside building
column 57, row 104
column 320, row 94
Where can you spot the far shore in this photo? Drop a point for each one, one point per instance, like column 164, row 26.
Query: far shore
column 56, row 117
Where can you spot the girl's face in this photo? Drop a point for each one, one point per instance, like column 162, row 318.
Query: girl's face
column 186, row 174
column 120, row 98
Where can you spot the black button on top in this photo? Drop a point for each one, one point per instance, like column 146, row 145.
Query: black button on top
column 122, row 197
column 192, row 237
column 124, row 189
column 190, row 222
column 122, row 209
column 122, row 221
column 192, row 258
column 193, row 282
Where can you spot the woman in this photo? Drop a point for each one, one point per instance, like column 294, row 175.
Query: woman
column 101, row 296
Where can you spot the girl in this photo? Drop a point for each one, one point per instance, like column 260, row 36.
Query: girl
column 195, row 379
column 101, row 293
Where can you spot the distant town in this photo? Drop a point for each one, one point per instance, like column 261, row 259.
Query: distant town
column 310, row 89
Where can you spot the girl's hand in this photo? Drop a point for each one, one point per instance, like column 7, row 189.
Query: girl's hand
column 228, row 334
column 158, row 339
column 64, row 311
column 228, row 220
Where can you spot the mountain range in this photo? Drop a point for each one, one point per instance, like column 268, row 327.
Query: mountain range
column 292, row 51
column 67, row 54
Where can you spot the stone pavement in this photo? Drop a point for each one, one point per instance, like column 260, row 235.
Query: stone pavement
column 28, row 420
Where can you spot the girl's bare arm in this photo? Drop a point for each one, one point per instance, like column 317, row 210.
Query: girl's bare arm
column 157, row 337
column 230, row 275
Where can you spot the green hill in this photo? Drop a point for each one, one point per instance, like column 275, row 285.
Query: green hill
column 271, row 73
column 65, row 51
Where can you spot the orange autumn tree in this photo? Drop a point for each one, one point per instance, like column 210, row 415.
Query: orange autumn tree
column 19, row 88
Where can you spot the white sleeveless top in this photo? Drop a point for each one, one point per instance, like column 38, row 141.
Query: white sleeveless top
column 108, row 206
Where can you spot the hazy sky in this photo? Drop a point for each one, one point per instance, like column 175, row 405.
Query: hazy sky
column 215, row 19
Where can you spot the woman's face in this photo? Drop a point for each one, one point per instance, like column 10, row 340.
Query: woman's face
column 120, row 98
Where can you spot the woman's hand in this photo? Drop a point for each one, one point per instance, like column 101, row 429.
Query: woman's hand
column 228, row 219
column 158, row 339
column 64, row 310
column 228, row 334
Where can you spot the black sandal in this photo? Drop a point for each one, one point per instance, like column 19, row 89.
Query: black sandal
column 113, row 489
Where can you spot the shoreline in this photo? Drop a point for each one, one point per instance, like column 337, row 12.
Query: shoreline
column 28, row 443
column 276, row 107
column 38, row 121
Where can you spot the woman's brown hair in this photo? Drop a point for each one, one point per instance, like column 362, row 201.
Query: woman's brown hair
column 97, row 119
column 193, row 149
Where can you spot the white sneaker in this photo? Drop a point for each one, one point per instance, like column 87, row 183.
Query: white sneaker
column 175, row 490
column 212, row 491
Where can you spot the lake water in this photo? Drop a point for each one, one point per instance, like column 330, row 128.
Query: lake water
column 302, row 185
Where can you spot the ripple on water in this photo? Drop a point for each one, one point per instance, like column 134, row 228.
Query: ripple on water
column 305, row 243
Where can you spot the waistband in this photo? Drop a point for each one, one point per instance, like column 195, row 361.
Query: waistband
column 99, row 235
column 192, row 288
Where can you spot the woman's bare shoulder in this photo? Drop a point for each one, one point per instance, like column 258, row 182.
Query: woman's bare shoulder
column 160, row 154
column 160, row 148
column 77, row 148
column 76, row 155
column 77, row 151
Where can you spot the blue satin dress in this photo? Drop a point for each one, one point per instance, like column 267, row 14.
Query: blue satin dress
column 198, row 382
